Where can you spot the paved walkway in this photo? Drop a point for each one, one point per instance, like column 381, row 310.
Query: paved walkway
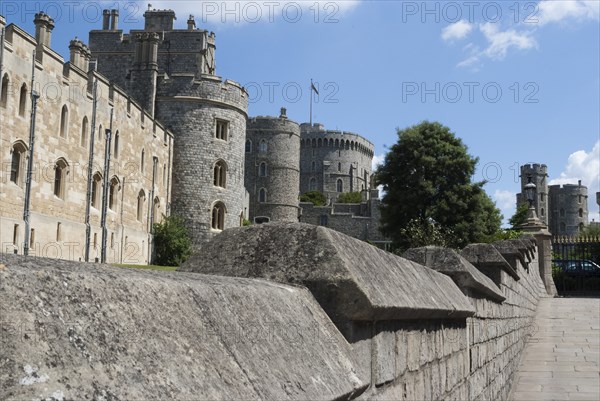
column 561, row 361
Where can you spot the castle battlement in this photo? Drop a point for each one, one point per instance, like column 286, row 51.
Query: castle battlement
column 318, row 136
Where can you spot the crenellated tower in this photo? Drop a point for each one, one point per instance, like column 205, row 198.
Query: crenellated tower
column 171, row 73
column 537, row 174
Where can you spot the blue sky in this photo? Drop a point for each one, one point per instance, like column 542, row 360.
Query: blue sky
column 519, row 82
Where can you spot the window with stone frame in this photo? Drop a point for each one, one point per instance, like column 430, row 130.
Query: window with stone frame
column 23, row 100
column 60, row 179
column 17, row 164
column 218, row 216
column 340, row 185
column 220, row 174
column 248, row 146
column 262, row 195
column 64, row 121
column 263, row 170
column 4, row 93
column 141, row 199
column 96, row 189
column 222, row 130
column 312, row 184
column 113, row 194
column 84, row 132
column 263, row 147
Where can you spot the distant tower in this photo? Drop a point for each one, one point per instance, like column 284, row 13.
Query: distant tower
column 569, row 209
column 537, row 174
column 171, row 74
column 334, row 162
column 272, row 173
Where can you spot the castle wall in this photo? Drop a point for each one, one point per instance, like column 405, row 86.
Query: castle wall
column 568, row 208
column 281, row 158
column 58, row 222
column 328, row 156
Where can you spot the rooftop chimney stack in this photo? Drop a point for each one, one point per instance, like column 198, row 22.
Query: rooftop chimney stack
column 43, row 28
column 283, row 113
column 191, row 23
column 105, row 20
column 115, row 20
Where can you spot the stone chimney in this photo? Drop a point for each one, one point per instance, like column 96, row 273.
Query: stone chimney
column 80, row 54
column 283, row 113
column 191, row 23
column 115, row 20
column 159, row 20
column 43, row 28
column 105, row 20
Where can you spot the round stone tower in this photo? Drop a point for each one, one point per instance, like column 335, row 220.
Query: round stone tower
column 569, row 208
column 272, row 171
column 538, row 174
column 334, row 162
column 209, row 119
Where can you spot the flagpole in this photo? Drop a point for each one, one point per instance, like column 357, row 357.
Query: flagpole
column 310, row 90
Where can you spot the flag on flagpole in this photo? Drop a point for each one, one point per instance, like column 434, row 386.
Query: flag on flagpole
column 312, row 86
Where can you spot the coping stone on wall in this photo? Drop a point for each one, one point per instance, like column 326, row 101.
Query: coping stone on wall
column 351, row 279
column 102, row 332
column 511, row 253
column 487, row 256
column 459, row 269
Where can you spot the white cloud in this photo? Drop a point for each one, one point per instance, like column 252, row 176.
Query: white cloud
column 237, row 12
column 458, row 30
column 565, row 10
column 499, row 42
column 506, row 201
column 377, row 160
column 584, row 166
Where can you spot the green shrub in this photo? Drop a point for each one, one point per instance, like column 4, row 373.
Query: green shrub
column 172, row 245
column 350, row 197
column 315, row 197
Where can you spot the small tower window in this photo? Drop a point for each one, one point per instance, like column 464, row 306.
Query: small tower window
column 23, row 100
column 116, row 147
column 142, row 159
column 221, row 130
column 562, row 212
column 60, row 177
column 84, row 132
column 96, row 190
column 313, row 167
column 140, row 204
column 580, row 212
column 218, row 216
column 17, row 163
column 220, row 174
column 312, row 185
column 156, row 209
column 262, row 195
column 113, row 194
column 339, row 167
column 262, row 146
column 263, row 170
column 248, row 146
column 340, row 185
column 4, row 94
column 64, row 121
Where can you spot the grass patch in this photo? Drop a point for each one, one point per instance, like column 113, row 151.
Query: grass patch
column 148, row 267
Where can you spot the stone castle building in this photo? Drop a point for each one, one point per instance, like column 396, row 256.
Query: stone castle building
column 180, row 142
column 564, row 209
column 75, row 212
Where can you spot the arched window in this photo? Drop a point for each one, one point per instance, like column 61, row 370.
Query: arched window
column 541, row 197
column 220, row 174
column 140, row 204
column 248, row 146
column 113, row 194
column 96, row 189
column 142, row 158
column 4, row 93
column 262, row 146
column 262, row 195
column 64, row 121
column 262, row 170
column 60, row 178
column 218, row 216
column 562, row 212
column 84, row 131
column 580, row 212
column 116, row 146
column 312, row 184
column 313, row 167
column 340, row 185
column 23, row 100
column 339, row 167
column 17, row 164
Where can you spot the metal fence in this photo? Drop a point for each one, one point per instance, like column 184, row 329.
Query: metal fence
column 571, row 270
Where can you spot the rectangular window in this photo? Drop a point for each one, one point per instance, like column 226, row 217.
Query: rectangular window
column 95, row 240
column 32, row 238
column 221, row 130
column 112, row 240
column 15, row 234
column 58, row 232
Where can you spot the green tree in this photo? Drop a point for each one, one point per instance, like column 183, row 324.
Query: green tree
column 350, row 197
column 426, row 177
column 315, row 197
column 172, row 245
column 520, row 216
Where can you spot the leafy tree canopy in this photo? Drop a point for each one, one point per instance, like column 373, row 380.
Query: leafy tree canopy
column 426, row 178
column 172, row 245
column 315, row 197
column 520, row 216
column 350, row 197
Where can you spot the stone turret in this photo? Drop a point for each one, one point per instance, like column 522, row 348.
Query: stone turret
column 272, row 173
column 569, row 208
column 159, row 20
column 80, row 54
column 43, row 28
